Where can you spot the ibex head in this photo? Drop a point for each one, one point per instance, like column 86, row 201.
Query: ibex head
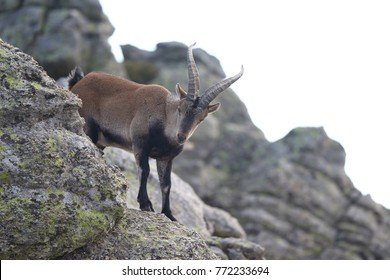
column 193, row 108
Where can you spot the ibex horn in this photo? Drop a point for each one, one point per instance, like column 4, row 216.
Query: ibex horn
column 193, row 75
column 212, row 92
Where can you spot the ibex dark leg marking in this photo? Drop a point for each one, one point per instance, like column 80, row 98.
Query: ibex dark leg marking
column 142, row 158
column 164, row 168
column 92, row 130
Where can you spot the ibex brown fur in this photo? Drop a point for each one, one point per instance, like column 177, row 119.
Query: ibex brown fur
column 148, row 120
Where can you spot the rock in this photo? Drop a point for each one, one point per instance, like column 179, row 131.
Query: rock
column 58, row 197
column 298, row 202
column 173, row 53
column 146, row 236
column 60, row 34
column 56, row 192
column 236, row 249
column 220, row 223
column 210, row 222
column 9, row 5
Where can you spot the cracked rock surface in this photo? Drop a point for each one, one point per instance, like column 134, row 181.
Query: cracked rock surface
column 60, row 34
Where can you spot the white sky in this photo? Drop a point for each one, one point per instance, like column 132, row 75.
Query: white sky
column 307, row 63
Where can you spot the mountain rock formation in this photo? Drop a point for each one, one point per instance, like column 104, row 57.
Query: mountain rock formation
column 60, row 34
column 291, row 196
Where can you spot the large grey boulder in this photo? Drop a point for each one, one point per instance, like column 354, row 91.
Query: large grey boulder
column 60, row 34
column 58, row 197
column 56, row 191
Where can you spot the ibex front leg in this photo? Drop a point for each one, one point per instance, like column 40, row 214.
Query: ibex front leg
column 142, row 159
column 164, row 168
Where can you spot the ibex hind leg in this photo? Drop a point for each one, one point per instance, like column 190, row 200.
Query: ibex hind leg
column 142, row 160
column 91, row 128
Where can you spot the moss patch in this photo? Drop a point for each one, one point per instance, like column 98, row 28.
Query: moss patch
column 5, row 177
column 141, row 72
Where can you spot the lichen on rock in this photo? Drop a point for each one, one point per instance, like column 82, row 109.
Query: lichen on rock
column 146, row 236
column 48, row 169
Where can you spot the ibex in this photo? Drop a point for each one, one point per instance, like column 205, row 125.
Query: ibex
column 148, row 120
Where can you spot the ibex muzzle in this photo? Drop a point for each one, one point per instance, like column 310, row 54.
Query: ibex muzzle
column 148, row 120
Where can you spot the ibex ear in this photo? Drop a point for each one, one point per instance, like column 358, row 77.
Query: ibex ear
column 181, row 92
column 212, row 108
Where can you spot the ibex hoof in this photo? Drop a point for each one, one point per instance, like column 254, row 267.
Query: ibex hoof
column 147, row 207
column 170, row 216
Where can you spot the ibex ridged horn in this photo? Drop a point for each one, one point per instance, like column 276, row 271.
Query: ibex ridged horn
column 193, row 75
column 212, row 92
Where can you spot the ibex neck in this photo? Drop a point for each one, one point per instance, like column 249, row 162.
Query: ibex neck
column 172, row 120
column 164, row 143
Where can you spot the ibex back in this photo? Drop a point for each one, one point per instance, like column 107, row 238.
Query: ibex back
column 148, row 120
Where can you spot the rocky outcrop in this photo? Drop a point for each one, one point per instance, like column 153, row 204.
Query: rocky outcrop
column 300, row 203
column 144, row 235
column 58, row 197
column 56, row 193
column 291, row 196
column 60, row 34
column 219, row 228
